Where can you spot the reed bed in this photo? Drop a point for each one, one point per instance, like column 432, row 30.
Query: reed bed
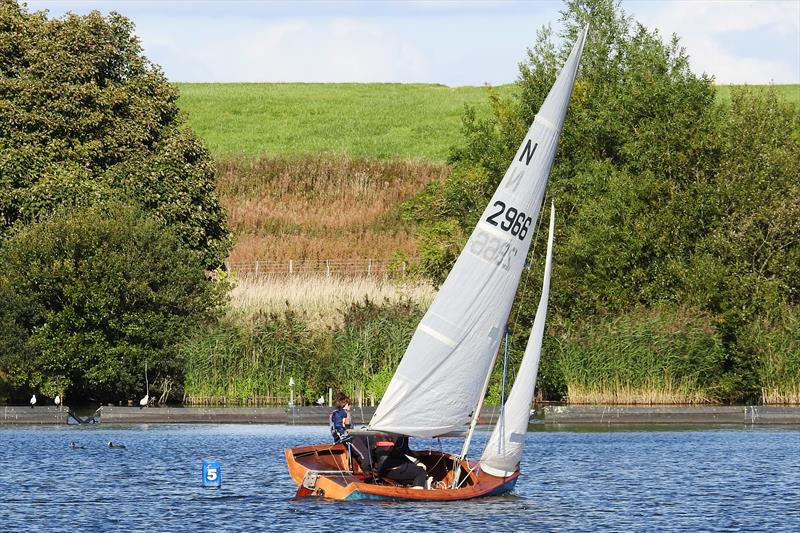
column 647, row 356
column 253, row 401
column 318, row 298
column 774, row 344
column 323, row 207
column 625, row 394
column 242, row 360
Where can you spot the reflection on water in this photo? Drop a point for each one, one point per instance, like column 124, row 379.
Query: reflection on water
column 692, row 479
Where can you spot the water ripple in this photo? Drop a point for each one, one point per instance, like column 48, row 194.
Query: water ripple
column 709, row 480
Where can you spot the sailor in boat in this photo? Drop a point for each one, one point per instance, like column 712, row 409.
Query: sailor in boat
column 340, row 418
column 395, row 460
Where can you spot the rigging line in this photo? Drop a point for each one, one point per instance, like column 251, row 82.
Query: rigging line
column 466, row 477
column 503, row 382
column 531, row 254
column 341, row 472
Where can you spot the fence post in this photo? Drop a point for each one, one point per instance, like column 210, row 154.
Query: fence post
column 330, row 397
column 290, row 266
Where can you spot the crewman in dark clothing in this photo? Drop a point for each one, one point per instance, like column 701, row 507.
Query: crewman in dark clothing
column 394, row 460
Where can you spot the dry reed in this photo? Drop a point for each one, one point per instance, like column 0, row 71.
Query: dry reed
column 365, row 245
column 322, row 207
column 621, row 394
column 319, row 297
column 785, row 395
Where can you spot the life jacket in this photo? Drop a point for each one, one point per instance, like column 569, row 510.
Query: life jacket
column 334, row 431
column 384, row 448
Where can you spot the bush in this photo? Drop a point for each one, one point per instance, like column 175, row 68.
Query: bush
column 90, row 296
column 85, row 117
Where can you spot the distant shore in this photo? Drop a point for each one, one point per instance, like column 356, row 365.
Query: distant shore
column 314, row 415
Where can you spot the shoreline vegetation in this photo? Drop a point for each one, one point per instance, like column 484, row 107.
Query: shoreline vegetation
column 330, row 205
column 676, row 257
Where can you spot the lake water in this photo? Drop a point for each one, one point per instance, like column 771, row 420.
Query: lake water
column 737, row 479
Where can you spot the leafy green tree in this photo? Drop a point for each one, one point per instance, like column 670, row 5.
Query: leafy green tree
column 90, row 296
column 85, row 117
column 664, row 198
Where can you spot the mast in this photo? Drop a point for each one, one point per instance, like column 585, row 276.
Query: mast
column 439, row 385
column 474, row 422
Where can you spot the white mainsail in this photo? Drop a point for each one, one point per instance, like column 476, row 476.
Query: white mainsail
column 441, row 377
column 504, row 450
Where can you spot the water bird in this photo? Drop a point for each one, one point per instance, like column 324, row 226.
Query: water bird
column 116, row 445
column 57, row 400
column 144, row 401
column 321, row 400
column 33, row 401
column 75, row 446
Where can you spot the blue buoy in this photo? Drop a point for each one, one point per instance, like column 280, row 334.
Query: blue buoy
column 212, row 474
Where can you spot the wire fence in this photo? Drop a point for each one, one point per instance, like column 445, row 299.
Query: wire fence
column 381, row 268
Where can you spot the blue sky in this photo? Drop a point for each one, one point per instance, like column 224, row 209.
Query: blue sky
column 453, row 43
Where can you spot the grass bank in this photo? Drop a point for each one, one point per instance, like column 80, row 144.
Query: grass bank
column 372, row 120
column 789, row 92
column 369, row 156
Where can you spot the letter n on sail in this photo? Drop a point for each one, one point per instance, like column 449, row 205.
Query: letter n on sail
column 528, row 151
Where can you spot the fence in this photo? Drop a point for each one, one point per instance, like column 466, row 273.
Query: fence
column 325, row 267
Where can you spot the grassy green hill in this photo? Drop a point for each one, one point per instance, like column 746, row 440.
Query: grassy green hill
column 372, row 120
column 790, row 92
column 375, row 120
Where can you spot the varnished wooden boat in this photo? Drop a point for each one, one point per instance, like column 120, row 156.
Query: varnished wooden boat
column 441, row 381
column 325, row 470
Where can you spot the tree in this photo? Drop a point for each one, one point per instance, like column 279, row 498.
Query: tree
column 664, row 198
column 90, row 296
column 85, row 118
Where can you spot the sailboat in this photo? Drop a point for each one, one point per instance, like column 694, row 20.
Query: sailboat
column 439, row 385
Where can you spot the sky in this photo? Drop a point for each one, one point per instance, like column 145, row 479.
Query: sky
column 453, row 42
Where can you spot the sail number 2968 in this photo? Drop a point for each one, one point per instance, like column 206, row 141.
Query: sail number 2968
column 513, row 221
column 493, row 249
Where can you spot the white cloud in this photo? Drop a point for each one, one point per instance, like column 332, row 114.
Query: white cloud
column 705, row 26
column 457, row 42
column 334, row 50
column 301, row 50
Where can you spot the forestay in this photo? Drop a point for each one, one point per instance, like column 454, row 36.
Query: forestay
column 504, row 449
column 440, row 378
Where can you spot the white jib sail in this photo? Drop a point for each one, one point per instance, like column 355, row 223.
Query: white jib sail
column 504, row 450
column 440, row 378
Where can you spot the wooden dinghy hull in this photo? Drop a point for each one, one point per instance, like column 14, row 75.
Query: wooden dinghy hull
column 324, row 470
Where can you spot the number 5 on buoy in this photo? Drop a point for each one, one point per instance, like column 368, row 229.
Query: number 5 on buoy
column 212, row 474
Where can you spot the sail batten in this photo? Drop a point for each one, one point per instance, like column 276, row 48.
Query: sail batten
column 439, row 380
